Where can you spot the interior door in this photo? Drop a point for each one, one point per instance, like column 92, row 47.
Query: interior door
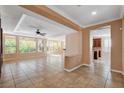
column 1, row 49
column 97, row 47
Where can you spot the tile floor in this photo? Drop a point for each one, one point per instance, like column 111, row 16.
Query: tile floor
column 49, row 73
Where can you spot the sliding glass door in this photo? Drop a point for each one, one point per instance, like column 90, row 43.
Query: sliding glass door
column 54, row 47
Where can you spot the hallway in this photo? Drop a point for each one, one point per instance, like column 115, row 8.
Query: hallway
column 49, row 73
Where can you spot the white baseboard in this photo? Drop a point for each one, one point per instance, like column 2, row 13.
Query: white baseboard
column 86, row 65
column 117, row 71
column 70, row 70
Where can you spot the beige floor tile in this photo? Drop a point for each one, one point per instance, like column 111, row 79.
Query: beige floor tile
column 49, row 73
column 8, row 84
column 26, row 84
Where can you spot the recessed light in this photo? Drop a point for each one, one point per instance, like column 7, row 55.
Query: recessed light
column 93, row 13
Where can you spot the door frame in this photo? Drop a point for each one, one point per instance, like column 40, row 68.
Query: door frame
column 90, row 41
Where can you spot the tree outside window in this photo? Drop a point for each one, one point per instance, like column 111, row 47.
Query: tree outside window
column 27, row 45
column 10, row 44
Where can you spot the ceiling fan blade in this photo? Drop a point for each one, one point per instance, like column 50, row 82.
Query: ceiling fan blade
column 43, row 34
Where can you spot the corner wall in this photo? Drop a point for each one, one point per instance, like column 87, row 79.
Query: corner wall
column 85, row 47
column 116, row 50
column 73, row 53
column 123, row 44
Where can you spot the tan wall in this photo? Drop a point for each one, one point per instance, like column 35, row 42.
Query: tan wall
column 73, row 44
column 116, row 37
column 85, row 46
column 72, row 61
column 116, row 51
column 73, row 50
column 73, row 54
column 123, row 43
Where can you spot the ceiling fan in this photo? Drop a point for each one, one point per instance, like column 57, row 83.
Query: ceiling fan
column 38, row 31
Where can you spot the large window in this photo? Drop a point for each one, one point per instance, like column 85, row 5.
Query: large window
column 27, row 45
column 41, row 45
column 10, row 44
column 54, row 46
column 30, row 45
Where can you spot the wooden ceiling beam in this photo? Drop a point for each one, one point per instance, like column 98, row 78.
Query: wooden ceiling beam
column 49, row 13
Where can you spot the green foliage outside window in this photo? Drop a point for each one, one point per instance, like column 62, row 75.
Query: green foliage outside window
column 27, row 45
column 10, row 45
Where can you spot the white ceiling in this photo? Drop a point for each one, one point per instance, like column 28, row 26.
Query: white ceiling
column 29, row 25
column 82, row 14
column 122, row 11
column 17, row 20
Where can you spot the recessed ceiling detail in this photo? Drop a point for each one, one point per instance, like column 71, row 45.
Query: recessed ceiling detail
column 29, row 25
column 17, row 20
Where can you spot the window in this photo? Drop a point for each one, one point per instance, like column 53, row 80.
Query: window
column 41, row 45
column 27, row 45
column 49, row 46
column 10, row 44
column 54, row 46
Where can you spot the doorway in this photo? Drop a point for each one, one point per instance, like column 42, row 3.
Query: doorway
column 100, row 47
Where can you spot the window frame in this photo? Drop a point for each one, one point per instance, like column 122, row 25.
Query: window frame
column 43, row 40
column 4, row 47
column 35, row 39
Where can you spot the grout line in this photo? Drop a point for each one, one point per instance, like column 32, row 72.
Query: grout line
column 12, row 75
column 106, row 79
column 27, row 75
column 88, row 83
column 31, row 66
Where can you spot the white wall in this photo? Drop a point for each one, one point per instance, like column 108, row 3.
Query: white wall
column 122, row 11
column 106, row 44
